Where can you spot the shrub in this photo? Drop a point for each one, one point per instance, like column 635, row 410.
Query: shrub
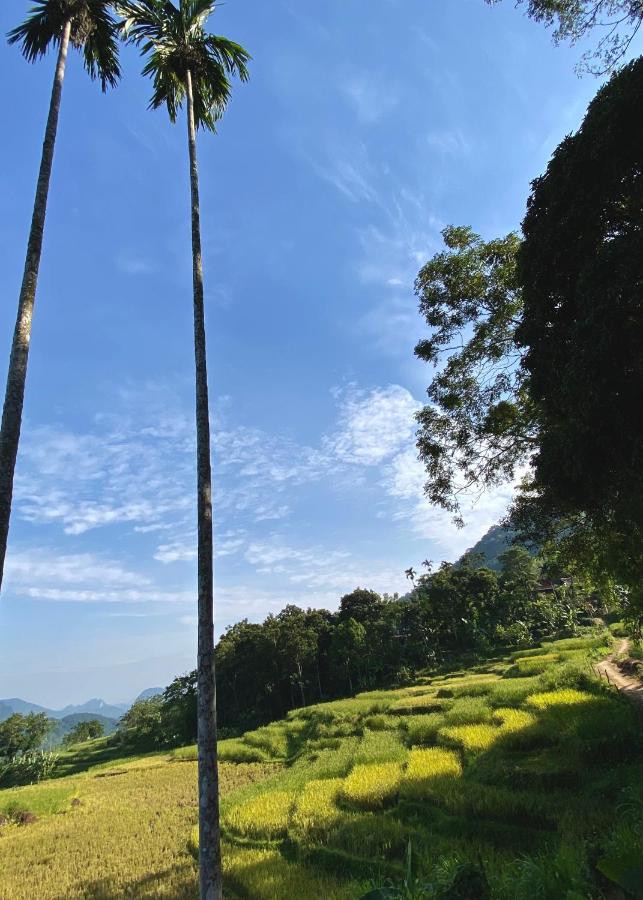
column 28, row 768
column 265, row 816
column 372, row 786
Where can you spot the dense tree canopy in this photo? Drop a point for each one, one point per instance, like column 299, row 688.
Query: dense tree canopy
column 581, row 268
column 84, row 731
column 20, row 734
column 543, row 344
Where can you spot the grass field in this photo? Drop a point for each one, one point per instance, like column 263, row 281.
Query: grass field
column 526, row 765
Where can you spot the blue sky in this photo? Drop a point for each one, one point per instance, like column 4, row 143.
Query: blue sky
column 366, row 127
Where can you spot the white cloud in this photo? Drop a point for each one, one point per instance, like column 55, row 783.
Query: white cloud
column 404, row 480
column 44, row 574
column 373, row 425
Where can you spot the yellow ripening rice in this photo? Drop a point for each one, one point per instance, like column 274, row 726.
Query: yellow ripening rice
column 266, row 875
column 264, row 816
column 514, row 719
column 429, row 770
column 372, row 786
column 472, row 738
column 316, row 807
column 566, row 697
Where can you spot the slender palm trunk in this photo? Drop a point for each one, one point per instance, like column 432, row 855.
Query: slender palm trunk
column 17, row 376
column 209, row 834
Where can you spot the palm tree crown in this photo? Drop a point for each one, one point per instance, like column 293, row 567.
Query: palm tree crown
column 176, row 43
column 93, row 30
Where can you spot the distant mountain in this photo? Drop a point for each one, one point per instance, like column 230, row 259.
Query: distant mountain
column 148, row 693
column 67, row 724
column 95, row 707
column 491, row 546
column 15, row 705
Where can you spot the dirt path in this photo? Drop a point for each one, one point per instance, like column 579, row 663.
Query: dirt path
column 631, row 687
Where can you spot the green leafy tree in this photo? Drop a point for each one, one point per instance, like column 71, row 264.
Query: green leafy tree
column 189, row 65
column 348, row 643
column 21, row 734
column 479, row 424
column 362, row 605
column 297, row 645
column 142, row 723
column 89, row 27
column 84, row 731
column 179, row 710
column 616, row 21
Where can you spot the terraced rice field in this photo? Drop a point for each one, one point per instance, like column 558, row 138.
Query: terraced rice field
column 500, row 765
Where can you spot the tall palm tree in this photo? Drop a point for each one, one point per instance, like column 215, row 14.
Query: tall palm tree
column 88, row 26
column 189, row 65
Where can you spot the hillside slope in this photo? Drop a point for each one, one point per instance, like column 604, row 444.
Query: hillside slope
column 499, row 766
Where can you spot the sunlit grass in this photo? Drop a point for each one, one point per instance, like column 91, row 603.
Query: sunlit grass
column 514, row 719
column 126, row 837
column 316, row 808
column 264, row 816
column 428, row 768
column 472, row 738
column 559, row 698
column 372, row 786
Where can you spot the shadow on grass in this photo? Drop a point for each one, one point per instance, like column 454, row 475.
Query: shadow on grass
column 97, row 753
column 176, row 883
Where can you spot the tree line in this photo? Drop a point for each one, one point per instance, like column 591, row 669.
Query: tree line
column 305, row 656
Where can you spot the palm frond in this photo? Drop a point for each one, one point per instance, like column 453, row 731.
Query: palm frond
column 93, row 30
column 233, row 57
column 37, row 32
column 101, row 45
column 172, row 37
